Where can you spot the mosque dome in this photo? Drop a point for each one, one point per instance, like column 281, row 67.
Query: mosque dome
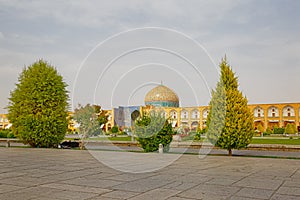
column 162, row 96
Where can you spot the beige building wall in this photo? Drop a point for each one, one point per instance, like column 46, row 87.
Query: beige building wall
column 269, row 115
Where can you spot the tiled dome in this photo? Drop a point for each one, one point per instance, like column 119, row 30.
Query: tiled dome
column 162, row 96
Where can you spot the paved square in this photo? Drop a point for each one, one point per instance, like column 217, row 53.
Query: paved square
column 27, row 173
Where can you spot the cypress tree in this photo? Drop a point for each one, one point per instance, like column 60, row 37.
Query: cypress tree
column 230, row 121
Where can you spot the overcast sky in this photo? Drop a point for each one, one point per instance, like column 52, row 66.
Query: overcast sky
column 112, row 52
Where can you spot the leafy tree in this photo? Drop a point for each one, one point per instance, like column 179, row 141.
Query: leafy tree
column 290, row 129
column 230, row 121
column 260, row 128
column 102, row 115
column 268, row 131
column 153, row 129
column 87, row 118
column 38, row 106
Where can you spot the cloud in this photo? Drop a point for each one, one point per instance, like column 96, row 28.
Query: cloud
column 259, row 37
column 1, row 36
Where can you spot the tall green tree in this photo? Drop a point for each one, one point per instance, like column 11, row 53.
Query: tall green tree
column 230, row 121
column 153, row 129
column 38, row 106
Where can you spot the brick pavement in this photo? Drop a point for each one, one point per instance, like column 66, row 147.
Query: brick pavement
column 27, row 173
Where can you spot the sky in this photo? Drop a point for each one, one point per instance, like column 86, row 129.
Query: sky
column 111, row 53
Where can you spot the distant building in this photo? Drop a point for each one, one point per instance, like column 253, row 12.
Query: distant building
column 165, row 99
column 4, row 123
column 191, row 118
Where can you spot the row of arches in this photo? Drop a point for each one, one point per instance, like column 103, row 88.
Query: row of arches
column 185, row 114
column 192, row 126
column 273, row 111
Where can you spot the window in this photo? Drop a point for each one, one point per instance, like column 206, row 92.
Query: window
column 184, row 114
column 205, row 113
column 258, row 112
column 195, row 114
column 273, row 112
column 173, row 114
column 288, row 111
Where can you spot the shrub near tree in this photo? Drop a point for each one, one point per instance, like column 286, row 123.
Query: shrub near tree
column 260, row 128
column 230, row 121
column 6, row 133
column 290, row 129
column 153, row 129
column 268, row 131
column 115, row 129
column 38, row 106
column 277, row 130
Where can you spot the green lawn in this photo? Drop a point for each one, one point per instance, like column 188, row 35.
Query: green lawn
column 112, row 138
column 275, row 141
column 256, row 140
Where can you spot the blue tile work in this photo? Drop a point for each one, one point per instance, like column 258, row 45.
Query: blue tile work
column 123, row 115
column 163, row 103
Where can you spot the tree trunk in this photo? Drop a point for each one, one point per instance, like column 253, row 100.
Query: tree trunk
column 81, row 145
column 229, row 152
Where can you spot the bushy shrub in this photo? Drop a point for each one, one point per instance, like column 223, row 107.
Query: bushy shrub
column 152, row 130
column 11, row 135
column 122, row 133
column 278, row 130
column 115, row 129
column 197, row 137
column 268, row 131
column 5, row 133
column 290, row 129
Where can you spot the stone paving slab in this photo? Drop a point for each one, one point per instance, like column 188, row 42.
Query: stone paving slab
column 27, row 173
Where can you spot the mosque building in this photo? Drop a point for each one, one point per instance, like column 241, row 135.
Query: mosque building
column 167, row 101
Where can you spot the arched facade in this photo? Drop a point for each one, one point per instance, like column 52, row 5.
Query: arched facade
column 288, row 111
column 205, row 113
column 184, row 114
column 174, row 114
column 276, row 114
column 195, row 114
column 258, row 112
column 266, row 115
column 273, row 111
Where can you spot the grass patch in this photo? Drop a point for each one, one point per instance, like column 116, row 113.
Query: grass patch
column 111, row 139
column 286, row 141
